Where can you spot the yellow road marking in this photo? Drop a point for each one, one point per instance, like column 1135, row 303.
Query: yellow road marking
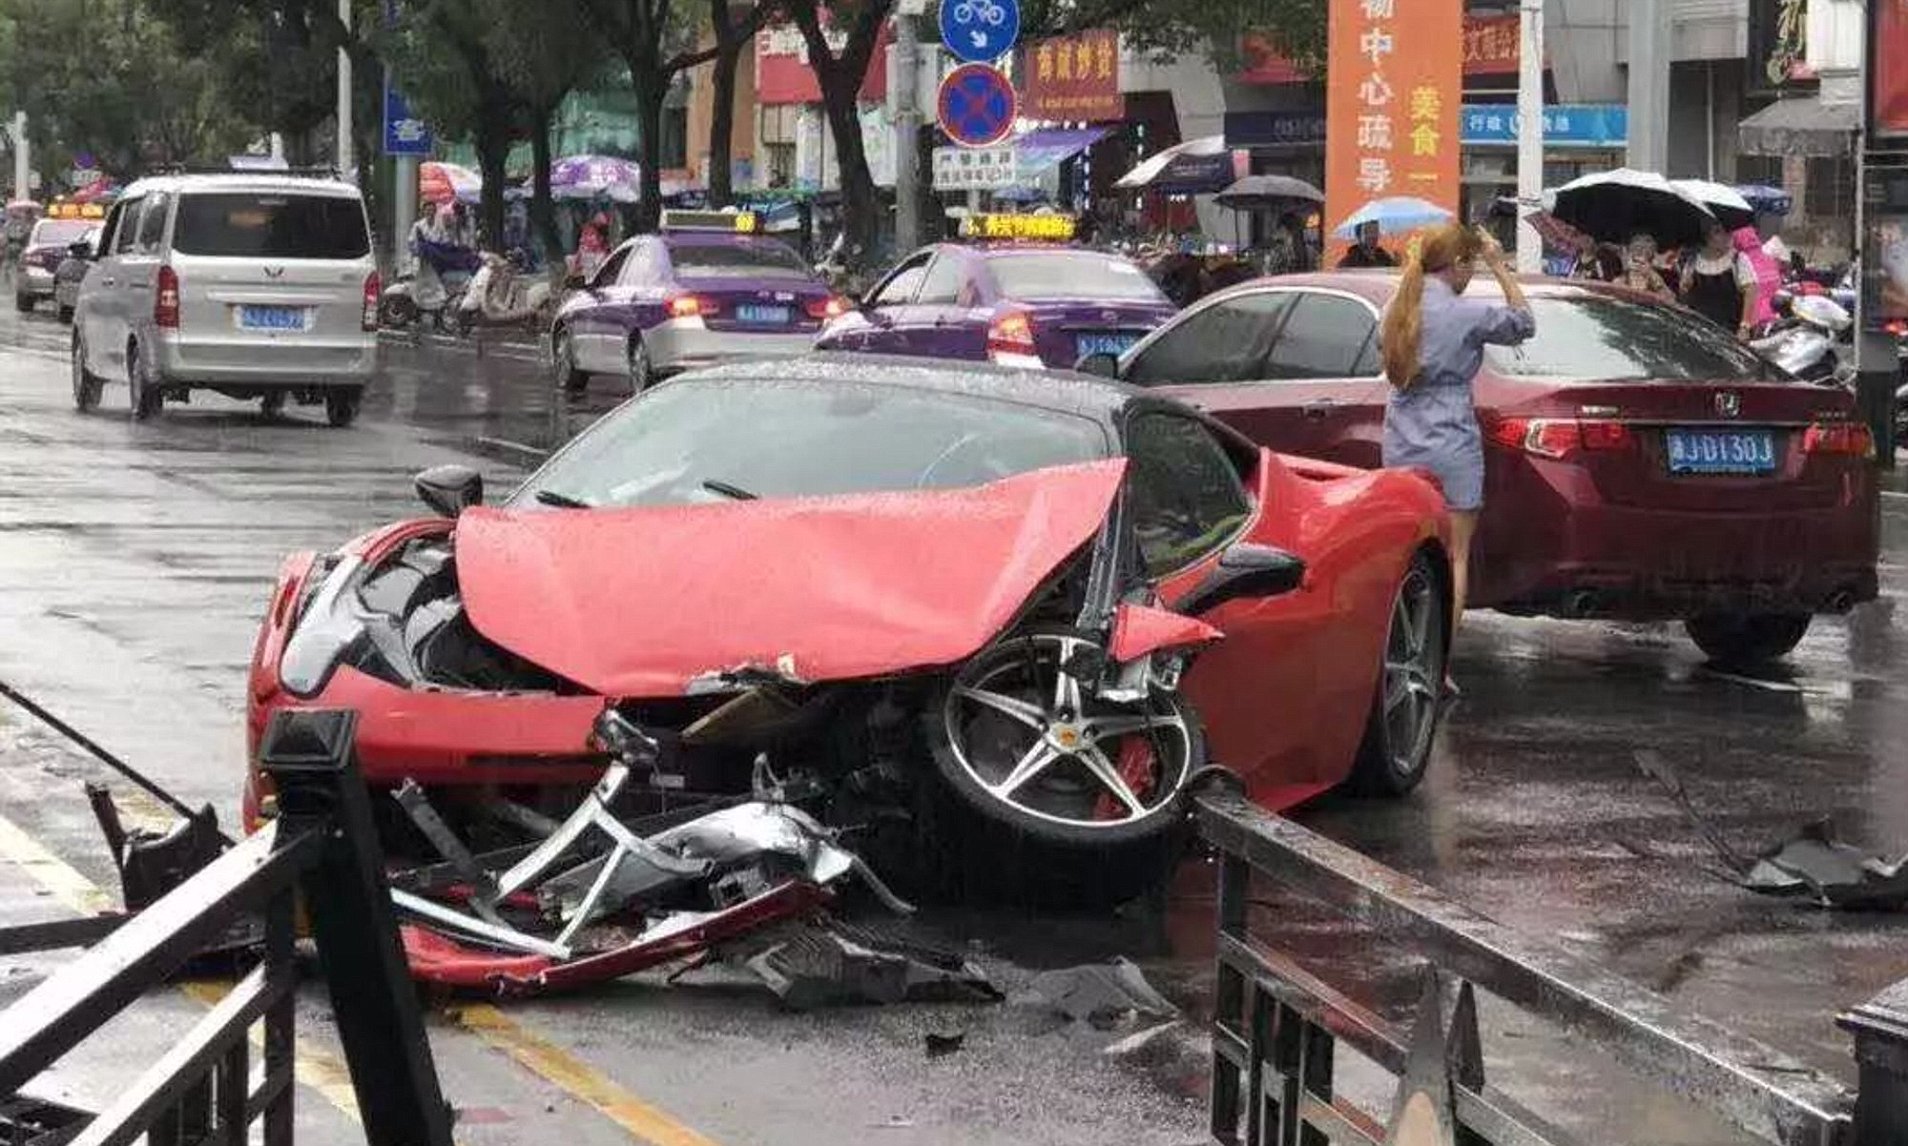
column 555, row 1065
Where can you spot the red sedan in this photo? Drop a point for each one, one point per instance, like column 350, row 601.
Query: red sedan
column 1038, row 604
column 1640, row 463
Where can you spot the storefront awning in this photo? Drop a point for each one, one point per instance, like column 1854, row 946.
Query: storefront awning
column 1802, row 126
column 1035, row 151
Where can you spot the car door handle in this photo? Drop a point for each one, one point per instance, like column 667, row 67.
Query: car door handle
column 1319, row 408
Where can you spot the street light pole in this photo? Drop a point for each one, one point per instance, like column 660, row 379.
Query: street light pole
column 22, row 169
column 1649, row 84
column 346, row 160
column 907, row 125
column 1530, row 135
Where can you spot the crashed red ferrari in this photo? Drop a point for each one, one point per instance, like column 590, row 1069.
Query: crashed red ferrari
column 974, row 620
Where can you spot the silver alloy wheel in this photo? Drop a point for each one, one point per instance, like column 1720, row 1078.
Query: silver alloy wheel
column 1412, row 671
column 640, row 370
column 1062, row 762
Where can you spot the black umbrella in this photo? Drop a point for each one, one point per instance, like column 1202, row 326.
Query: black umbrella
column 1611, row 206
column 1261, row 192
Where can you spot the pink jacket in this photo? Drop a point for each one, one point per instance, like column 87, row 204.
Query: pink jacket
column 1768, row 273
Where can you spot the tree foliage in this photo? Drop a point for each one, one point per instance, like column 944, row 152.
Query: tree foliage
column 657, row 40
column 1295, row 29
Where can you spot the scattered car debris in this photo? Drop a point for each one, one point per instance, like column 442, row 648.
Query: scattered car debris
column 1812, row 865
column 1102, row 994
column 835, row 962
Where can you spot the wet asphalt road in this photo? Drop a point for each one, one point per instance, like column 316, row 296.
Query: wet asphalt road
column 134, row 560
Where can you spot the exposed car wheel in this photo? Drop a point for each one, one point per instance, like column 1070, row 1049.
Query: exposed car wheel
column 1404, row 708
column 145, row 398
column 23, row 303
column 1057, row 795
column 272, row 405
column 86, row 384
column 563, row 354
column 642, row 372
column 1747, row 639
column 397, row 311
column 65, row 315
column 341, row 404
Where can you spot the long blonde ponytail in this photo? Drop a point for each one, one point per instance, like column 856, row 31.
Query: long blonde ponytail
column 1401, row 334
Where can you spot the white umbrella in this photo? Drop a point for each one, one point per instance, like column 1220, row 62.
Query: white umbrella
column 1725, row 202
column 1186, row 155
column 1611, row 206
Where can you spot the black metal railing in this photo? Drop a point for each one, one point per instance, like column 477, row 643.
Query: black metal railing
column 321, row 850
column 1276, row 1025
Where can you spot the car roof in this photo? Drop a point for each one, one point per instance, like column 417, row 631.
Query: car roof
column 1061, row 391
column 242, row 181
column 1379, row 284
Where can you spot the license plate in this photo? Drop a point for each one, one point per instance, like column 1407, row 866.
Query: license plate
column 271, row 318
column 762, row 315
column 1114, row 344
column 1694, row 451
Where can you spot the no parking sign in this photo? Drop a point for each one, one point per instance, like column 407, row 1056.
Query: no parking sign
column 977, row 105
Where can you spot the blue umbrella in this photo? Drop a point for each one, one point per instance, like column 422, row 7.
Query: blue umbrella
column 1394, row 216
column 1767, row 200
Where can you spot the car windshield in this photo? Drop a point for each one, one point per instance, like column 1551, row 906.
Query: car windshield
column 59, row 232
column 1603, row 339
column 765, row 259
column 251, row 224
column 705, row 441
column 1040, row 275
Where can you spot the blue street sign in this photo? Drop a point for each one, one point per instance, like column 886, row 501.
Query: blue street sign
column 1604, row 125
column 979, row 30
column 977, row 105
column 404, row 133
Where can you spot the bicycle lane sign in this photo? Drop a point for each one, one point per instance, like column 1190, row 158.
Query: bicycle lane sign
column 977, row 105
column 978, row 31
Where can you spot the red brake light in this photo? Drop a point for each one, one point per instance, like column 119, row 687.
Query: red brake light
column 1896, row 328
column 165, row 300
column 1844, row 439
column 834, row 306
column 373, row 289
column 1559, row 438
column 691, row 306
column 1010, row 339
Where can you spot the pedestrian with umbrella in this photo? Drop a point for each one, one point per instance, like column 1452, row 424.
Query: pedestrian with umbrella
column 1720, row 285
column 1392, row 216
column 1433, row 341
column 1366, row 252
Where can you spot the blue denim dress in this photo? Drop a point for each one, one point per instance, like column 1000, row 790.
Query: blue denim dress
column 1433, row 422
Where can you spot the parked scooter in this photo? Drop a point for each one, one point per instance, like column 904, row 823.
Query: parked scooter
column 1806, row 341
column 500, row 294
column 432, row 293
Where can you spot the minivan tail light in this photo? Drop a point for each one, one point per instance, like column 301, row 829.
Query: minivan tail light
column 1559, row 438
column 373, row 290
column 1842, row 439
column 165, row 300
column 1010, row 340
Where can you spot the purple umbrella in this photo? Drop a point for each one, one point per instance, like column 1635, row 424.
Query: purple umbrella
column 595, row 177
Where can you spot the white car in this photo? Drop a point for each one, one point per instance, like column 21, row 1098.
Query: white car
column 257, row 286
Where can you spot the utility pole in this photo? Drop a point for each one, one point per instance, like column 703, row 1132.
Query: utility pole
column 1649, row 84
column 22, row 169
column 346, row 161
column 907, row 128
column 1530, row 135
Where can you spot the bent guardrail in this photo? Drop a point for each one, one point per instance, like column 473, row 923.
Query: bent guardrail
column 321, row 849
column 1276, row 1024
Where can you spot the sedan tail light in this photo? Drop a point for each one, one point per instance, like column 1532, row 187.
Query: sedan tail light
column 1560, row 438
column 832, row 307
column 1010, row 340
column 1841, row 439
column 165, row 300
column 692, row 306
column 373, row 289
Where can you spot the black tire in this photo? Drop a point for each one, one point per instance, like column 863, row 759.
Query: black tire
column 1746, row 640
column 563, row 354
column 65, row 315
column 86, row 384
column 341, row 405
column 397, row 311
column 272, row 406
column 23, row 303
column 641, row 371
column 1073, row 836
column 145, row 398
column 1405, row 706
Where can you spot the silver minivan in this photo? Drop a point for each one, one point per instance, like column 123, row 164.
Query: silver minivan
column 256, row 286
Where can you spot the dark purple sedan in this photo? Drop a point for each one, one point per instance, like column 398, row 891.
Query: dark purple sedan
column 1016, row 304
column 705, row 290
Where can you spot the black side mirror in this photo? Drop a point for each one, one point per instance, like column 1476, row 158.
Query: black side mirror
column 1245, row 570
column 450, row 489
column 574, row 281
column 1102, row 364
column 80, row 250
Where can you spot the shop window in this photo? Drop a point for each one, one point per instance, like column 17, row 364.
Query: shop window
column 1759, row 170
column 1830, row 187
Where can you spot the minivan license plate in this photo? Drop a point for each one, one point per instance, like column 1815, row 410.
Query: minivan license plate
column 271, row 318
column 762, row 315
column 1114, row 344
column 1704, row 451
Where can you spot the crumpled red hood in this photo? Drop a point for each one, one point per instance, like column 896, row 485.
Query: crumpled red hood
column 640, row 601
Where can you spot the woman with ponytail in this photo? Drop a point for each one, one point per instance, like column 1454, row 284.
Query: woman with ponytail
column 1433, row 340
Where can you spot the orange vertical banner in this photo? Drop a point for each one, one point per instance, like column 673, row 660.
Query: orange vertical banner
column 1394, row 80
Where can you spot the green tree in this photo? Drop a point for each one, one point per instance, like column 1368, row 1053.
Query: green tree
column 1296, row 29
column 839, row 73
column 732, row 27
column 657, row 42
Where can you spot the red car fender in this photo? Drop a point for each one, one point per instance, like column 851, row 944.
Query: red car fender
column 1142, row 629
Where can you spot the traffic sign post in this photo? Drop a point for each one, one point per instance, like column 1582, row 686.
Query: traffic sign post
column 977, row 105
column 978, row 31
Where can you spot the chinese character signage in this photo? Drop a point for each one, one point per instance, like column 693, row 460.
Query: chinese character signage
column 1888, row 68
column 1778, row 45
column 783, row 76
column 404, row 132
column 974, row 168
column 1605, row 125
column 1490, row 48
column 1072, row 78
column 1393, row 84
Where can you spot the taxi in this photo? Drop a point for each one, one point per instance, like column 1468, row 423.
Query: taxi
column 47, row 246
column 708, row 288
column 1016, row 293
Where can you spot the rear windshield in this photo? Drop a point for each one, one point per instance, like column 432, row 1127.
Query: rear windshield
column 1597, row 339
column 250, row 224
column 1044, row 275
column 708, row 441
column 59, row 232
column 767, row 259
